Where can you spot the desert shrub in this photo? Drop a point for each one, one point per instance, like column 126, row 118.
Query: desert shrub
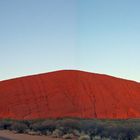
column 76, row 132
column 68, row 136
column 84, row 137
column 105, row 133
column 89, row 126
column 43, row 126
column 26, row 122
column 97, row 138
column 130, row 133
column 34, row 133
column 107, row 139
column 96, row 129
column 113, row 129
column 137, row 138
column 49, row 124
column 36, row 126
column 69, row 124
column 48, row 133
column 88, row 123
column 2, row 125
column 57, row 133
column 5, row 124
column 122, row 132
column 19, row 127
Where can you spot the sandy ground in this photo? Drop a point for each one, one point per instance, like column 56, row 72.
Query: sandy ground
column 7, row 135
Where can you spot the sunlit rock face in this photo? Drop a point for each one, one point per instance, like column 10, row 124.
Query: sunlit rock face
column 69, row 93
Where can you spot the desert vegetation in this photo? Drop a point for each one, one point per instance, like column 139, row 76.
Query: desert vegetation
column 75, row 128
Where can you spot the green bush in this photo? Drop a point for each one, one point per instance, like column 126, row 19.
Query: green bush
column 49, row 124
column 106, row 129
column 5, row 124
column 36, row 126
column 19, row 127
column 43, row 126
column 69, row 124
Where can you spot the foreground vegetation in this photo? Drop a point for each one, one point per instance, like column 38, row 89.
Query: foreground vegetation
column 82, row 129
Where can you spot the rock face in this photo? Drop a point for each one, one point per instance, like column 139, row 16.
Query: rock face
column 69, row 93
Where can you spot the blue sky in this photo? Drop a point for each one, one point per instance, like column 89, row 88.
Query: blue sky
column 101, row 36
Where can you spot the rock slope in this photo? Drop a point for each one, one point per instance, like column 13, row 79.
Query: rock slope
column 69, row 93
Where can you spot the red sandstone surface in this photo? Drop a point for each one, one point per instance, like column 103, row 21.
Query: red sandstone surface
column 69, row 93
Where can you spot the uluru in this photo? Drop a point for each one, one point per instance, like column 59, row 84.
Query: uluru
column 69, row 93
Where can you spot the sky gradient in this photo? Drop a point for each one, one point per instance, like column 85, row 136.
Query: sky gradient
column 101, row 36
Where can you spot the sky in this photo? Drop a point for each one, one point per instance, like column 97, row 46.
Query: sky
column 100, row 36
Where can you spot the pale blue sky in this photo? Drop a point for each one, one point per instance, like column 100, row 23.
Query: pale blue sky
column 101, row 36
